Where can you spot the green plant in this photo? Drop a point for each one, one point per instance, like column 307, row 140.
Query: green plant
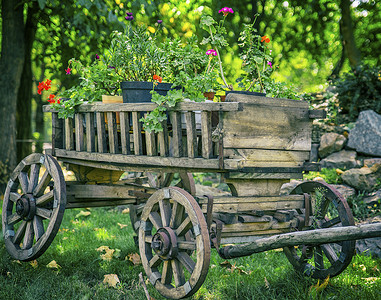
column 359, row 90
column 330, row 176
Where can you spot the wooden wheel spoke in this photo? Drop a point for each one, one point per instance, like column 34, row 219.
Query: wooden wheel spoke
column 29, row 235
column 166, row 276
column 33, row 178
column 184, row 227
column 186, row 261
column 14, row 196
column 19, row 233
column 46, row 198
column 329, row 253
column 13, row 219
column 178, row 273
column 155, row 261
column 318, row 258
column 155, row 219
column 165, row 212
column 148, row 239
column 177, row 215
column 331, row 223
column 42, row 184
column 44, row 213
column 38, row 227
column 185, row 245
column 24, row 181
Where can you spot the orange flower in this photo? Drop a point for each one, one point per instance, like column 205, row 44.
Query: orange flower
column 265, row 39
column 158, row 78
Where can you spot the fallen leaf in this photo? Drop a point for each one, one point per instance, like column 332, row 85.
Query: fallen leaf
column 34, row 264
column 109, row 253
column 319, row 287
column 17, row 262
column 111, row 280
column 83, row 213
column 126, row 211
column 134, row 258
column 362, row 267
column 375, row 269
column 267, row 284
column 122, row 225
column 53, row 265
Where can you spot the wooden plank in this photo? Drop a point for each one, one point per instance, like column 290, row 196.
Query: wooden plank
column 142, row 107
column 98, row 191
column 137, row 133
column 101, row 133
column 79, row 133
column 266, row 101
column 90, row 134
column 206, row 134
column 250, row 206
column 251, row 199
column 176, row 142
column 112, row 132
column 69, row 141
column 258, row 226
column 57, row 132
column 190, row 120
column 254, row 233
column 99, row 203
column 275, row 175
column 267, row 127
column 256, row 187
column 151, row 144
column 125, row 132
column 162, row 137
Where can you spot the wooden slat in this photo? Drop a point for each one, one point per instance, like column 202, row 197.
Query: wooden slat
column 151, row 144
column 79, row 136
column 99, row 203
column 251, row 199
column 176, row 142
column 125, row 132
column 162, row 138
column 90, row 134
column 57, row 132
column 69, row 141
column 266, row 101
column 112, row 132
column 99, row 191
column 137, row 132
column 206, row 134
column 101, row 133
column 182, row 106
column 191, row 134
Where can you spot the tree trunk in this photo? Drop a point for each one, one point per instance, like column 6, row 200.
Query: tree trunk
column 346, row 27
column 11, row 66
column 24, row 97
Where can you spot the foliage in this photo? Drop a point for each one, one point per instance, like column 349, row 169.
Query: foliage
column 359, row 90
column 330, row 176
column 360, row 209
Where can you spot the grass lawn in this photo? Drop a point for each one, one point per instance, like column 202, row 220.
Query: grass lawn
column 81, row 269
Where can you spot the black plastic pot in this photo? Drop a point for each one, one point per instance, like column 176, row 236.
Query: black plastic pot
column 246, row 93
column 139, row 91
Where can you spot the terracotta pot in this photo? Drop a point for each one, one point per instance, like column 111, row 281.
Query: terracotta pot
column 112, row 99
column 222, row 98
column 209, row 95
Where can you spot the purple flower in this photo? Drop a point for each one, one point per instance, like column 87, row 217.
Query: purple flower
column 129, row 18
column 111, row 67
column 211, row 52
column 97, row 56
column 129, row 14
column 270, row 64
column 226, row 11
column 159, row 21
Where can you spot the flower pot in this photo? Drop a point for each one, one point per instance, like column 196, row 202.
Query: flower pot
column 140, row 91
column 112, row 99
column 246, row 93
column 209, row 95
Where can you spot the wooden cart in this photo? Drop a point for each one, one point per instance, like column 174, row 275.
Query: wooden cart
column 256, row 143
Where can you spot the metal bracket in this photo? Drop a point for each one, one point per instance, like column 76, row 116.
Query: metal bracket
column 9, row 233
column 42, row 159
column 196, row 229
column 155, row 276
column 209, row 212
column 187, row 288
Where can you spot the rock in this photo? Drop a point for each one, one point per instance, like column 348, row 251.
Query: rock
column 365, row 137
column 288, row 187
column 373, row 198
column 369, row 162
column 331, row 142
column 202, row 190
column 364, row 179
column 345, row 190
column 340, row 160
column 371, row 246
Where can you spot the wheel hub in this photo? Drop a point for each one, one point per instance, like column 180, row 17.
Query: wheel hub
column 26, row 207
column 164, row 243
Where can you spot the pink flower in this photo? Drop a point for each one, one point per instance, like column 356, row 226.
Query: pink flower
column 68, row 71
column 211, row 52
column 270, row 64
column 226, row 11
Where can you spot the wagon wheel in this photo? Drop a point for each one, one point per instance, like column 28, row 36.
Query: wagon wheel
column 175, row 264
column 160, row 180
column 329, row 209
column 33, row 207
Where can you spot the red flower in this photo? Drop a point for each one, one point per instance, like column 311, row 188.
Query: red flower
column 265, row 39
column 44, row 86
column 68, row 71
column 51, row 99
column 158, row 78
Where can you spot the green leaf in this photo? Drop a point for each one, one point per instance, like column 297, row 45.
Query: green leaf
column 42, row 3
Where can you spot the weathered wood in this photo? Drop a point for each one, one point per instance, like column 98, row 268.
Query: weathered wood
column 253, row 219
column 268, row 232
column 266, row 101
column 191, row 134
column 90, row 203
column 284, row 215
column 137, row 133
column 57, row 132
column 69, row 141
column 257, row 226
column 253, row 199
column 129, row 107
column 101, row 133
column 176, row 142
column 274, row 175
column 162, row 137
column 255, row 187
column 97, row 191
column 90, row 133
column 112, row 133
column 206, row 134
column 151, row 144
column 94, row 175
column 125, row 132
column 79, row 137
column 308, row 237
